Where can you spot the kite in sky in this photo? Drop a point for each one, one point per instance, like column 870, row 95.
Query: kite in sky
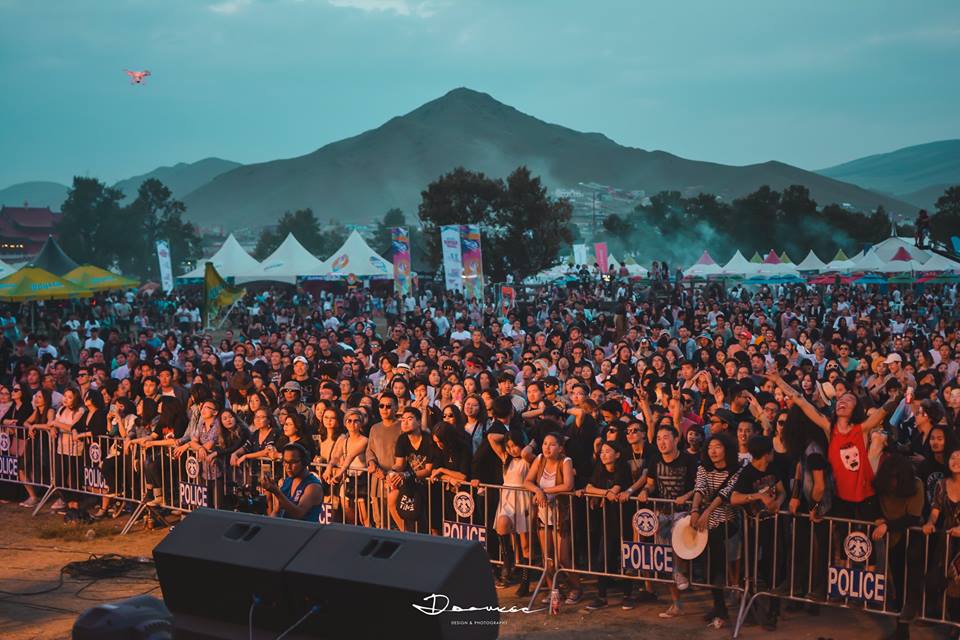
column 137, row 77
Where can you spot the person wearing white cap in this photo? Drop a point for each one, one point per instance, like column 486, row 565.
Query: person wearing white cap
column 894, row 362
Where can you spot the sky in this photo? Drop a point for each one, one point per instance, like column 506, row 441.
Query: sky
column 741, row 81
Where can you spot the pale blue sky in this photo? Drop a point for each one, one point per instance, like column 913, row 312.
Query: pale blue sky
column 811, row 83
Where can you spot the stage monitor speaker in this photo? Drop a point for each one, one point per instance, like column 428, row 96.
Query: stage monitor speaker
column 213, row 564
column 365, row 583
column 329, row 581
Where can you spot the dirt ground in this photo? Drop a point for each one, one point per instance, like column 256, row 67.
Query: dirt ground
column 33, row 550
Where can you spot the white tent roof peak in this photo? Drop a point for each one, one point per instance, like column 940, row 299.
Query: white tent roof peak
column 230, row 261
column 287, row 262
column 811, row 263
column 355, row 256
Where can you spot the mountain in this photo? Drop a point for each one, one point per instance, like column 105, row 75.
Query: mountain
column 181, row 178
column 927, row 197
column 38, row 194
column 358, row 179
column 912, row 173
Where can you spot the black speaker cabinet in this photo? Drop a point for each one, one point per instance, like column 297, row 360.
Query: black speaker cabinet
column 213, row 563
column 337, row 581
column 369, row 583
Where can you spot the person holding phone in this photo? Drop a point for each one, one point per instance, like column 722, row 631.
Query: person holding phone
column 300, row 495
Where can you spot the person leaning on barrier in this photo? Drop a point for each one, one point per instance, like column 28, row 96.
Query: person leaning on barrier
column 299, row 496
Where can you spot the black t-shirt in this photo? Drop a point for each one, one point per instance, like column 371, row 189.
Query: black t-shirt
column 752, row 480
column 604, row 479
column 672, row 479
column 455, row 456
column 417, row 456
column 486, row 465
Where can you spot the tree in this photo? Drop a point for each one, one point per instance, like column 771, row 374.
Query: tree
column 945, row 223
column 91, row 208
column 155, row 215
column 530, row 228
column 458, row 197
column 383, row 236
column 523, row 229
column 305, row 227
column 95, row 229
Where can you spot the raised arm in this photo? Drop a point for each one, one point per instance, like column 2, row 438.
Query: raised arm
column 811, row 411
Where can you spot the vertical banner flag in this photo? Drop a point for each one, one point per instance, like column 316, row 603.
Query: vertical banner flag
column 579, row 254
column 600, row 249
column 166, row 271
column 452, row 258
column 217, row 294
column 508, row 299
column 472, row 261
column 401, row 261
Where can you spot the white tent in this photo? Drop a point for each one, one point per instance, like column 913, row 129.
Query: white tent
column 288, row 262
column 230, row 261
column 938, row 263
column 890, row 247
column 739, row 266
column 811, row 263
column 902, row 262
column 6, row 269
column 704, row 267
column 868, row 261
column 357, row 258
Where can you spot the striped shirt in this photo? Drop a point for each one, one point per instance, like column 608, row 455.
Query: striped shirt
column 708, row 484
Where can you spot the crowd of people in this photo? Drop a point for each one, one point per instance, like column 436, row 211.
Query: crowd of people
column 582, row 403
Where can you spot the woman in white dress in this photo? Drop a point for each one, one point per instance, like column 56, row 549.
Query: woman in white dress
column 513, row 514
column 550, row 479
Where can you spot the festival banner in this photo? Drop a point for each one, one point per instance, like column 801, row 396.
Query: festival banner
column 166, row 270
column 401, row 261
column 508, row 299
column 600, row 250
column 472, row 261
column 452, row 257
column 217, row 294
column 579, row 254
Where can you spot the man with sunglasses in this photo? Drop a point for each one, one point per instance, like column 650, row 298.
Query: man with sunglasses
column 381, row 446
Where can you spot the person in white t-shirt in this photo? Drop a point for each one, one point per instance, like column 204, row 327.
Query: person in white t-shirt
column 94, row 341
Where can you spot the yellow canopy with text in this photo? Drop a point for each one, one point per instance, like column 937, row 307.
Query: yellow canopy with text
column 94, row 278
column 34, row 283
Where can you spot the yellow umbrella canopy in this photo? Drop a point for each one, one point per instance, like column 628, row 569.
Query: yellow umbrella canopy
column 34, row 283
column 94, row 278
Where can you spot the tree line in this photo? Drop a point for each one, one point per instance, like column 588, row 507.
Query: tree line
column 96, row 228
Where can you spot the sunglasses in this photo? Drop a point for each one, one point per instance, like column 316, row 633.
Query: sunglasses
column 386, row 406
column 629, row 431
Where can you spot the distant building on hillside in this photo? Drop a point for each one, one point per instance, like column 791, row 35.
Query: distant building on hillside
column 23, row 230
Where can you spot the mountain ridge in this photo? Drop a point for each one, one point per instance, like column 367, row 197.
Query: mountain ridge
column 360, row 177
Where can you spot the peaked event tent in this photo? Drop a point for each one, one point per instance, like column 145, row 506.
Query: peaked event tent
column 887, row 249
column 230, row 261
column 938, row 263
column 94, row 278
column 704, row 267
column 869, row 261
column 288, row 262
column 902, row 262
column 357, row 258
column 739, row 266
column 34, row 283
column 52, row 259
column 811, row 263
column 841, row 262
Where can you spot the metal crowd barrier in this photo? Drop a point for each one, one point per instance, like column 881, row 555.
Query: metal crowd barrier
column 763, row 559
column 837, row 562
